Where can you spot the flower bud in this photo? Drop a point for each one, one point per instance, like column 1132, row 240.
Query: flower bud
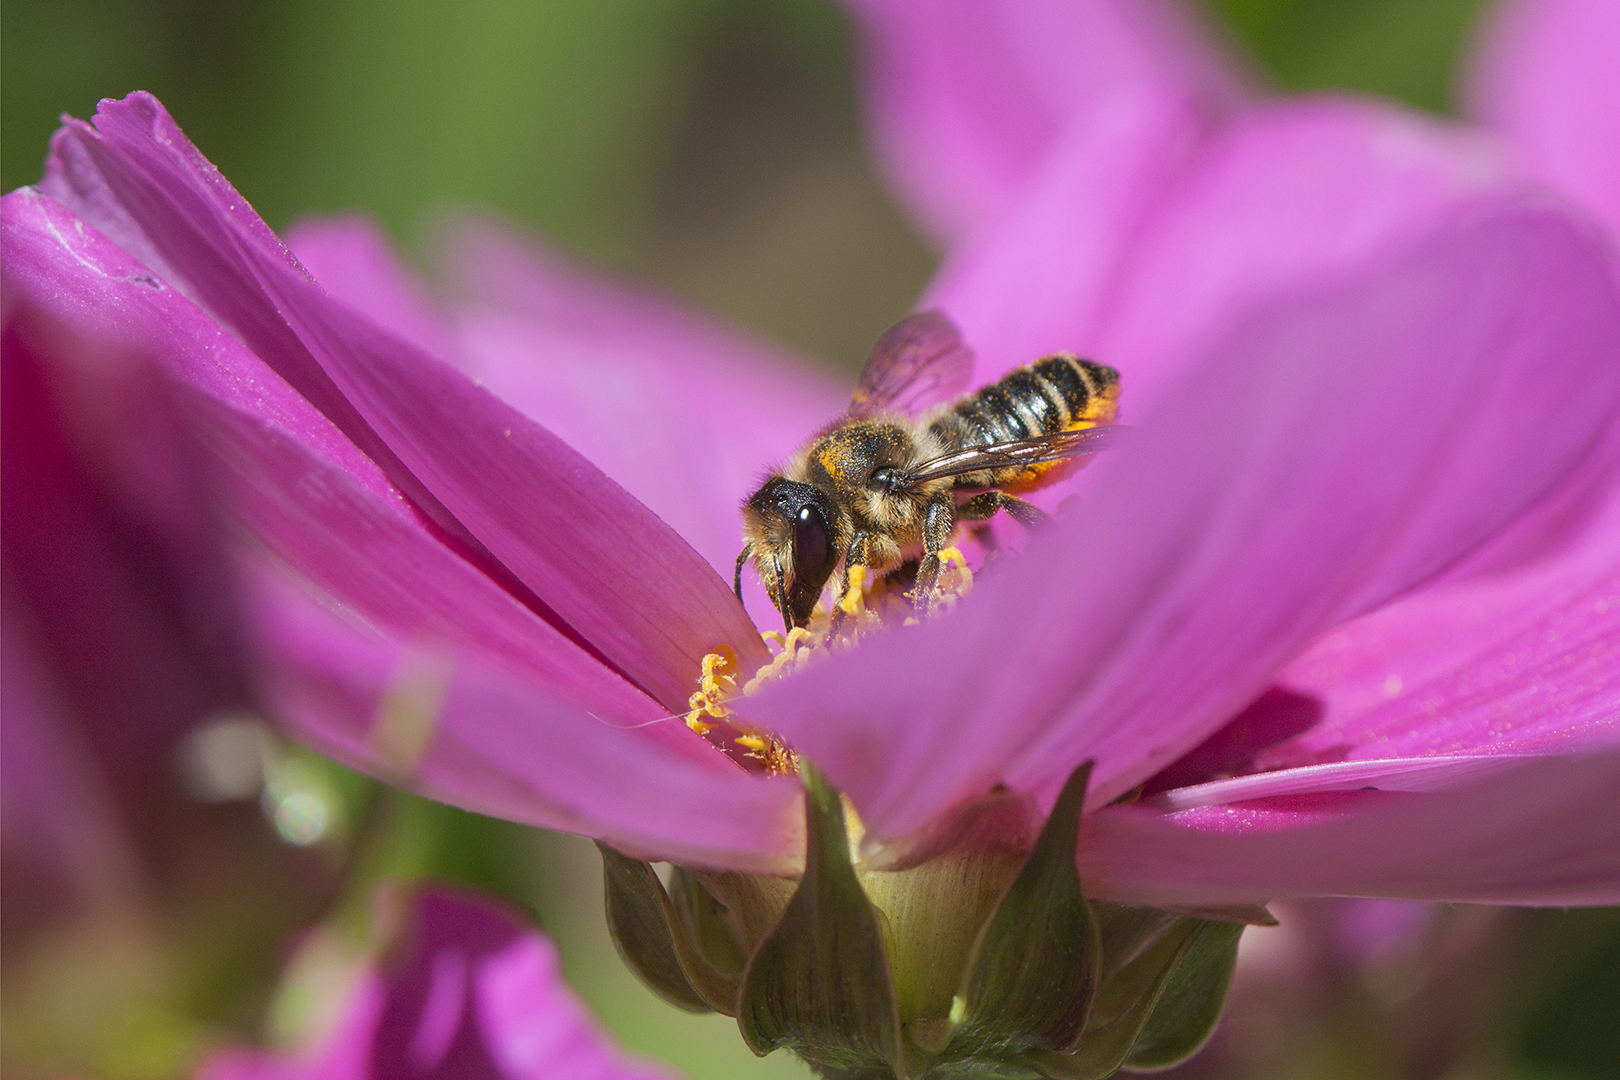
column 981, row 956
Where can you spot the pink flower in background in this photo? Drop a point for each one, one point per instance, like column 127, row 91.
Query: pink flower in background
column 463, row 991
column 1545, row 78
column 1363, row 353
column 122, row 630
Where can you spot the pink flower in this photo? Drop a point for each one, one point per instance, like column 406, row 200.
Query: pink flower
column 1545, row 79
column 1347, row 610
column 462, row 990
column 122, row 630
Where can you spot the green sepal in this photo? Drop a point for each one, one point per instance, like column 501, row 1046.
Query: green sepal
column 1124, row 1004
column 819, row 983
column 1185, row 1015
column 654, row 943
column 705, row 920
column 1129, row 930
column 635, row 916
column 1034, row 970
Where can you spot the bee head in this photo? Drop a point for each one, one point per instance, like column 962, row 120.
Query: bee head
column 791, row 532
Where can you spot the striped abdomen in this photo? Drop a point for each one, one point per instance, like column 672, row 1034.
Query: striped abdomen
column 1051, row 395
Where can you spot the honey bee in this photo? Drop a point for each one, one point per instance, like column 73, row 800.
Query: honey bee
column 888, row 482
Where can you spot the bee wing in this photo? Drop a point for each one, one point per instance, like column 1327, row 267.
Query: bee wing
column 918, row 361
column 1020, row 453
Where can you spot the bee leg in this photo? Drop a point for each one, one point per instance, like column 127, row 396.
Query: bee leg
column 939, row 521
column 859, row 553
column 984, row 506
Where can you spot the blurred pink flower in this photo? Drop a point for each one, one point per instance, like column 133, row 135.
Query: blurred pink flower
column 464, row 991
column 121, row 628
column 1545, row 77
column 1374, row 371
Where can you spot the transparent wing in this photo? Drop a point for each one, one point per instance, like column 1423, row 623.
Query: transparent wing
column 1021, row 453
column 919, row 361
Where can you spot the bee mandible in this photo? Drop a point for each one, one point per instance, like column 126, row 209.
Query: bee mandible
column 889, row 481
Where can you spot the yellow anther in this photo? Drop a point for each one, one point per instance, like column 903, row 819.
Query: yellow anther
column 752, row 742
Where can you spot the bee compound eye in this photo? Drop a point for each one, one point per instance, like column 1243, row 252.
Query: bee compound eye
column 812, row 547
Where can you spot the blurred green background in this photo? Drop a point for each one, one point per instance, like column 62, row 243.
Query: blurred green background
column 713, row 147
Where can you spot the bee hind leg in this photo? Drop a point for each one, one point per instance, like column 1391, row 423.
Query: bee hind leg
column 982, row 507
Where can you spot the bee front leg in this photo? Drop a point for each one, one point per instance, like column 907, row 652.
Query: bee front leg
column 859, row 553
column 939, row 521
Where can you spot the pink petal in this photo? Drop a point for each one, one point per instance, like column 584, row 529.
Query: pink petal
column 300, row 487
column 1540, row 830
column 367, row 556
column 351, row 258
column 1141, row 242
column 1042, row 279
column 964, row 100
column 1546, row 77
column 683, row 414
column 553, row 521
column 478, row 735
column 1333, row 453
column 470, row 991
column 1520, row 661
column 1510, row 652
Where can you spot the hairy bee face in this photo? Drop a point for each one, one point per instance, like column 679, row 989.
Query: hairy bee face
column 792, row 532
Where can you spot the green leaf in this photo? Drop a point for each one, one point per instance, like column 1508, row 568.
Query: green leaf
column 819, row 983
column 649, row 937
column 1035, row 966
column 1189, row 1007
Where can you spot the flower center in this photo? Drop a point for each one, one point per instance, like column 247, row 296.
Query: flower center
column 867, row 607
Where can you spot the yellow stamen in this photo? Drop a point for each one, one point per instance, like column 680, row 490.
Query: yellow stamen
column 866, row 606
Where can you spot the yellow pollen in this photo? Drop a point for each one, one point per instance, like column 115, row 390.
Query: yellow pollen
column 868, row 605
column 853, row 602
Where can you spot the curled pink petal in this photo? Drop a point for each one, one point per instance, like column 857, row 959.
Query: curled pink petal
column 298, row 485
column 964, row 100
column 1546, row 77
column 1538, row 830
column 552, row 520
column 469, row 991
column 1334, row 453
